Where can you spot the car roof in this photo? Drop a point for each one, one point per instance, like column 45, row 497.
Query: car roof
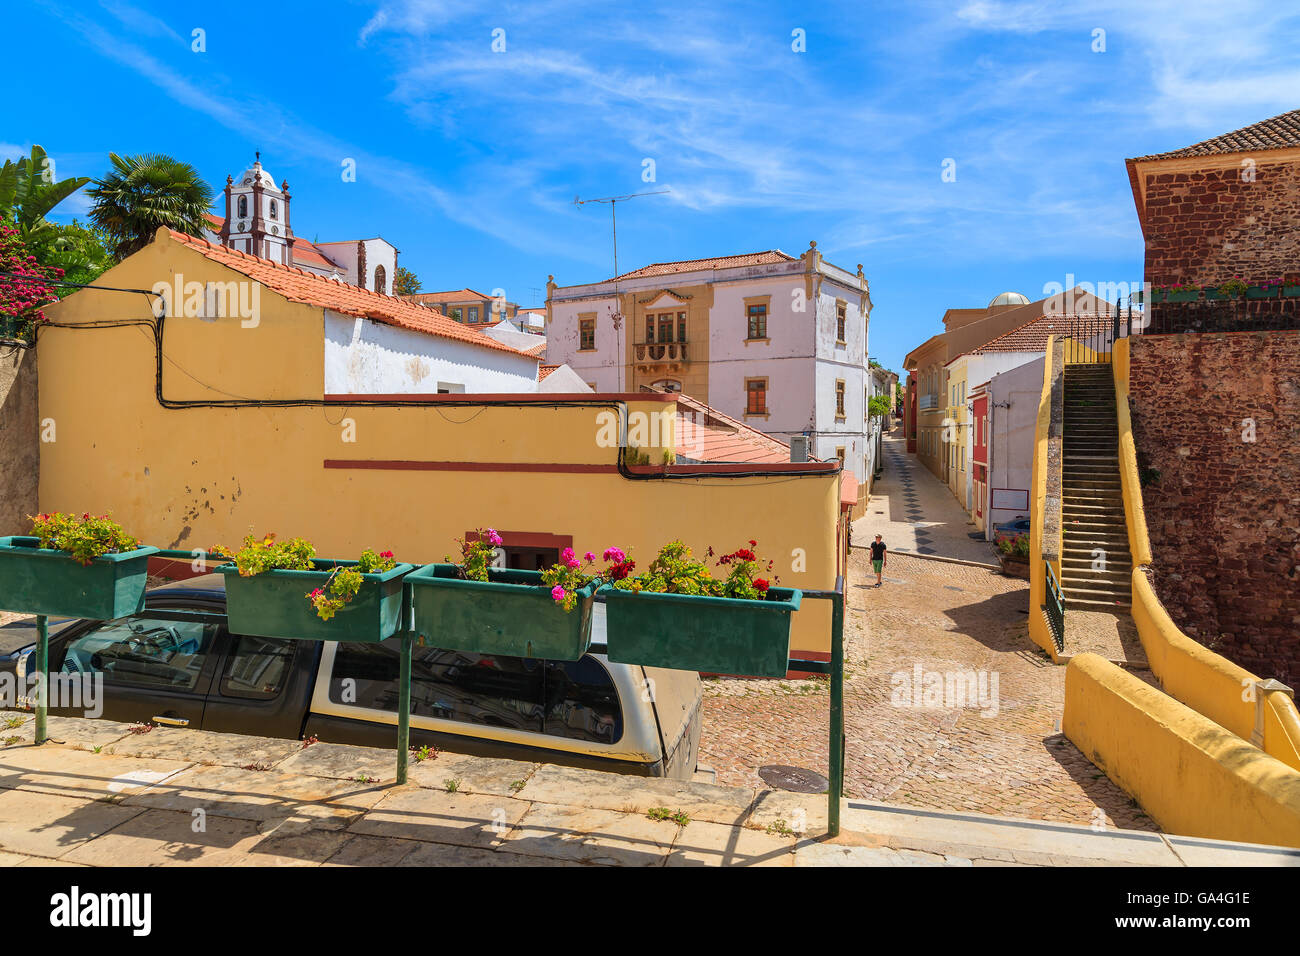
column 205, row 585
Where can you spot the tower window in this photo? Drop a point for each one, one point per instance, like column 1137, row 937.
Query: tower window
column 381, row 280
column 243, row 207
column 275, row 209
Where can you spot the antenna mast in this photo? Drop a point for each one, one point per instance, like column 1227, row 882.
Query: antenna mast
column 613, row 219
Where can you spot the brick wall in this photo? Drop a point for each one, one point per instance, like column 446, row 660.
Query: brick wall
column 1207, row 226
column 1224, row 513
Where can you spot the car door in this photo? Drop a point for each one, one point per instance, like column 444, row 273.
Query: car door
column 262, row 686
column 134, row 669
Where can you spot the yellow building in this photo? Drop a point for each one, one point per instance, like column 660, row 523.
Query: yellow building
column 202, row 426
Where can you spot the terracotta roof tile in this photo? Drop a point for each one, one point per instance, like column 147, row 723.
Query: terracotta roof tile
column 717, row 262
column 537, row 351
column 454, row 295
column 705, row 434
column 545, row 370
column 299, row 285
column 1032, row 336
column 1279, row 132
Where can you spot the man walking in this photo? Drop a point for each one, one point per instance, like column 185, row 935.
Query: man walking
column 879, row 558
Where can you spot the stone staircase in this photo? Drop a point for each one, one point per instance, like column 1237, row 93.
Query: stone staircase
column 1092, row 507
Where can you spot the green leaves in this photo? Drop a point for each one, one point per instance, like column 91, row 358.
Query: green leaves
column 85, row 538
column 142, row 193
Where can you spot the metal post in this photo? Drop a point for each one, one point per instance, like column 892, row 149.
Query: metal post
column 837, row 711
column 404, row 709
column 43, row 677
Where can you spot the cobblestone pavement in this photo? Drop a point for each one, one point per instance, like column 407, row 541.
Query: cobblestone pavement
column 914, row 511
column 1006, row 758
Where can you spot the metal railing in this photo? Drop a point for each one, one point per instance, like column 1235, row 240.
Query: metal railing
column 1089, row 339
column 1055, row 607
column 1204, row 314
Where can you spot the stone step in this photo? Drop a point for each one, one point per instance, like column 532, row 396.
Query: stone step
column 1083, row 565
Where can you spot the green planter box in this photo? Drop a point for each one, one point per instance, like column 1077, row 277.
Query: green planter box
column 1178, row 296
column 1258, row 292
column 43, row 581
column 512, row 613
column 274, row 604
column 710, row 634
column 1291, row 291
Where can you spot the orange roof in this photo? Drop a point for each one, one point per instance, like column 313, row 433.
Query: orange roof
column 717, row 262
column 545, row 370
column 455, row 295
column 299, row 285
column 1032, row 336
column 705, row 434
column 303, row 251
column 1278, row 132
column 537, row 351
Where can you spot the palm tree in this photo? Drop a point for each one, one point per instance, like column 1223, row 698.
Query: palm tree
column 141, row 193
column 28, row 193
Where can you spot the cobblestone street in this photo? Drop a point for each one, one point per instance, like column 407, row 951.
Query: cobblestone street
column 1006, row 757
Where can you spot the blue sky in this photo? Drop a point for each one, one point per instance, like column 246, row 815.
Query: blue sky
column 468, row 160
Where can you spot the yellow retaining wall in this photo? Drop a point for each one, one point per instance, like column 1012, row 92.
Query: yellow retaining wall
column 1038, row 629
column 1205, row 681
column 195, row 477
column 1189, row 774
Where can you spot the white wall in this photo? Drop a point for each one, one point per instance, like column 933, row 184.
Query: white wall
column 367, row 357
column 602, row 366
column 1011, row 435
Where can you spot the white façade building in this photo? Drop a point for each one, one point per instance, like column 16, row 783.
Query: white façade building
column 775, row 340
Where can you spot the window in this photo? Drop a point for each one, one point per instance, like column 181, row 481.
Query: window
column 757, row 314
column 839, row 453
column 665, row 327
column 756, row 396
column 586, row 335
column 381, row 280
column 257, row 667
column 841, row 311
column 275, row 209
column 242, row 207
column 572, row 699
column 142, row 652
column 839, row 398
column 473, row 313
column 457, row 315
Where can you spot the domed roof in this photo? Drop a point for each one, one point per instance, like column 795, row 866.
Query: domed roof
column 254, row 173
column 1009, row 298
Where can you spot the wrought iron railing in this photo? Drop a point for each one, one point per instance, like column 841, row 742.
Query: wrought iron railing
column 1168, row 314
column 1055, row 607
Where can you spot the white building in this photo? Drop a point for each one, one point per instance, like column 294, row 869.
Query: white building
column 776, row 341
column 257, row 222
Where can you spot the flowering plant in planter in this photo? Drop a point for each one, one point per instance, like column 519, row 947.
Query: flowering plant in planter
column 344, row 582
column 1015, row 549
column 675, row 571
column 85, row 538
column 339, row 587
column 476, row 553
column 567, row 576
column 1233, row 288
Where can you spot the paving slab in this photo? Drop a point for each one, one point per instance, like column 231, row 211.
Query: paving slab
column 170, row 838
column 344, row 762
column 42, row 824
column 297, row 843
column 261, row 795
column 804, row 813
column 583, row 835
column 80, row 773
column 821, row 853
column 713, row 844
column 200, row 746
column 76, row 732
column 609, row 791
column 1194, row 851
column 435, row 816
column 492, row 775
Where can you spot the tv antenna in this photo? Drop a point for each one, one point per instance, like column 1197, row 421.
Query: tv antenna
column 613, row 219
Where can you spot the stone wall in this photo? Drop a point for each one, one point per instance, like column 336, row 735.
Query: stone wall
column 1222, row 501
column 19, row 439
column 1205, row 226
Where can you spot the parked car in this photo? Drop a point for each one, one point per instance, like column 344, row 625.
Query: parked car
column 586, row 713
column 1006, row 530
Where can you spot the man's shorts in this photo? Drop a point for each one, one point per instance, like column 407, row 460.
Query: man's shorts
column 877, row 565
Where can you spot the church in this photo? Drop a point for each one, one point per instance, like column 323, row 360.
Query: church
column 257, row 222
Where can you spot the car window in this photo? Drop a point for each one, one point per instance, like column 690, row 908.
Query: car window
column 143, row 652
column 257, row 666
column 566, row 699
column 582, row 702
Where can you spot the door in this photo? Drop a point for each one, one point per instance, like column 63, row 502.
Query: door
column 135, row 669
column 262, row 686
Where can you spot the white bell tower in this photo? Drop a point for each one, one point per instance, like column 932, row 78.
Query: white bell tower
column 257, row 216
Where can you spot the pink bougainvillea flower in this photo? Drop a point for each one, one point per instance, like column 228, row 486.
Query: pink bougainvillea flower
column 557, row 592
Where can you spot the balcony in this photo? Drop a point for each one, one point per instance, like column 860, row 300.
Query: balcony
column 660, row 355
column 926, row 403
